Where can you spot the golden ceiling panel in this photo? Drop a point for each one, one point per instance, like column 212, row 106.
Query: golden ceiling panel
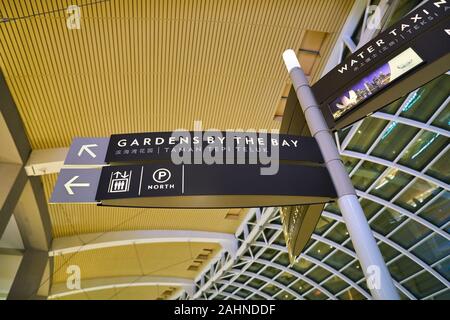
column 153, row 65
column 158, row 260
column 69, row 220
column 124, row 293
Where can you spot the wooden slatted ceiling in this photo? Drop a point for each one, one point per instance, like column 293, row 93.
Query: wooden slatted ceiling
column 155, row 260
column 124, row 293
column 153, row 65
column 70, row 220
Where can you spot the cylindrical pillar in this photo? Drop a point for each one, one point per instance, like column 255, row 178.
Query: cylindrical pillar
column 377, row 275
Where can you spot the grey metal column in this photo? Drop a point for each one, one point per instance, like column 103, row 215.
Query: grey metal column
column 23, row 198
column 377, row 275
column 27, row 283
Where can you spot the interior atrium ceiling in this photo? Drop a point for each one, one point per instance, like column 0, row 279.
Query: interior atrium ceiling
column 137, row 66
column 399, row 162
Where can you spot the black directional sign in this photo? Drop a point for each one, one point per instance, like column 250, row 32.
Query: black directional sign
column 212, row 186
column 161, row 145
column 404, row 57
column 139, row 171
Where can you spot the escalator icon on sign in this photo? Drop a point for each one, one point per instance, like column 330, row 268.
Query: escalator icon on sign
column 119, row 181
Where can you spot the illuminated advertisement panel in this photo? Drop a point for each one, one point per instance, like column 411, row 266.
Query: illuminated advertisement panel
column 374, row 82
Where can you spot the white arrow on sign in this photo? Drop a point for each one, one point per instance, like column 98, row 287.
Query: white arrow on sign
column 86, row 148
column 70, row 184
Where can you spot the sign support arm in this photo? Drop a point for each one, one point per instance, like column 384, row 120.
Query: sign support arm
column 377, row 275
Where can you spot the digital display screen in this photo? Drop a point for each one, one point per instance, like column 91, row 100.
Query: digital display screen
column 374, row 82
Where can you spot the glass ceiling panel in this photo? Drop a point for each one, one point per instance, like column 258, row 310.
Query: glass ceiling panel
column 349, row 245
column 242, row 279
column 286, row 278
column 230, row 289
column 366, row 174
column 270, row 272
column 320, row 250
column 280, row 240
column 442, row 296
column 423, row 150
column 323, row 225
column 441, row 168
column 284, row 296
column 271, row 290
column 338, row 259
column 335, row 284
column 300, row 286
column 370, row 208
column 243, row 293
column 423, row 103
column 283, row 259
column 318, row 274
column 349, row 162
column 392, row 182
column 403, row 267
column 393, row 140
column 444, row 268
column 443, row 119
column 387, row 221
column 339, row 233
column 367, row 133
column 351, row 294
column 410, row 233
column 256, row 283
column 417, row 195
column 433, row 249
column 353, row 271
column 388, row 252
column 332, row 207
column 343, row 133
column 257, row 297
column 423, row 285
column 316, row 295
column 269, row 253
column 438, row 212
column 255, row 267
column 393, row 107
column 302, row 265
